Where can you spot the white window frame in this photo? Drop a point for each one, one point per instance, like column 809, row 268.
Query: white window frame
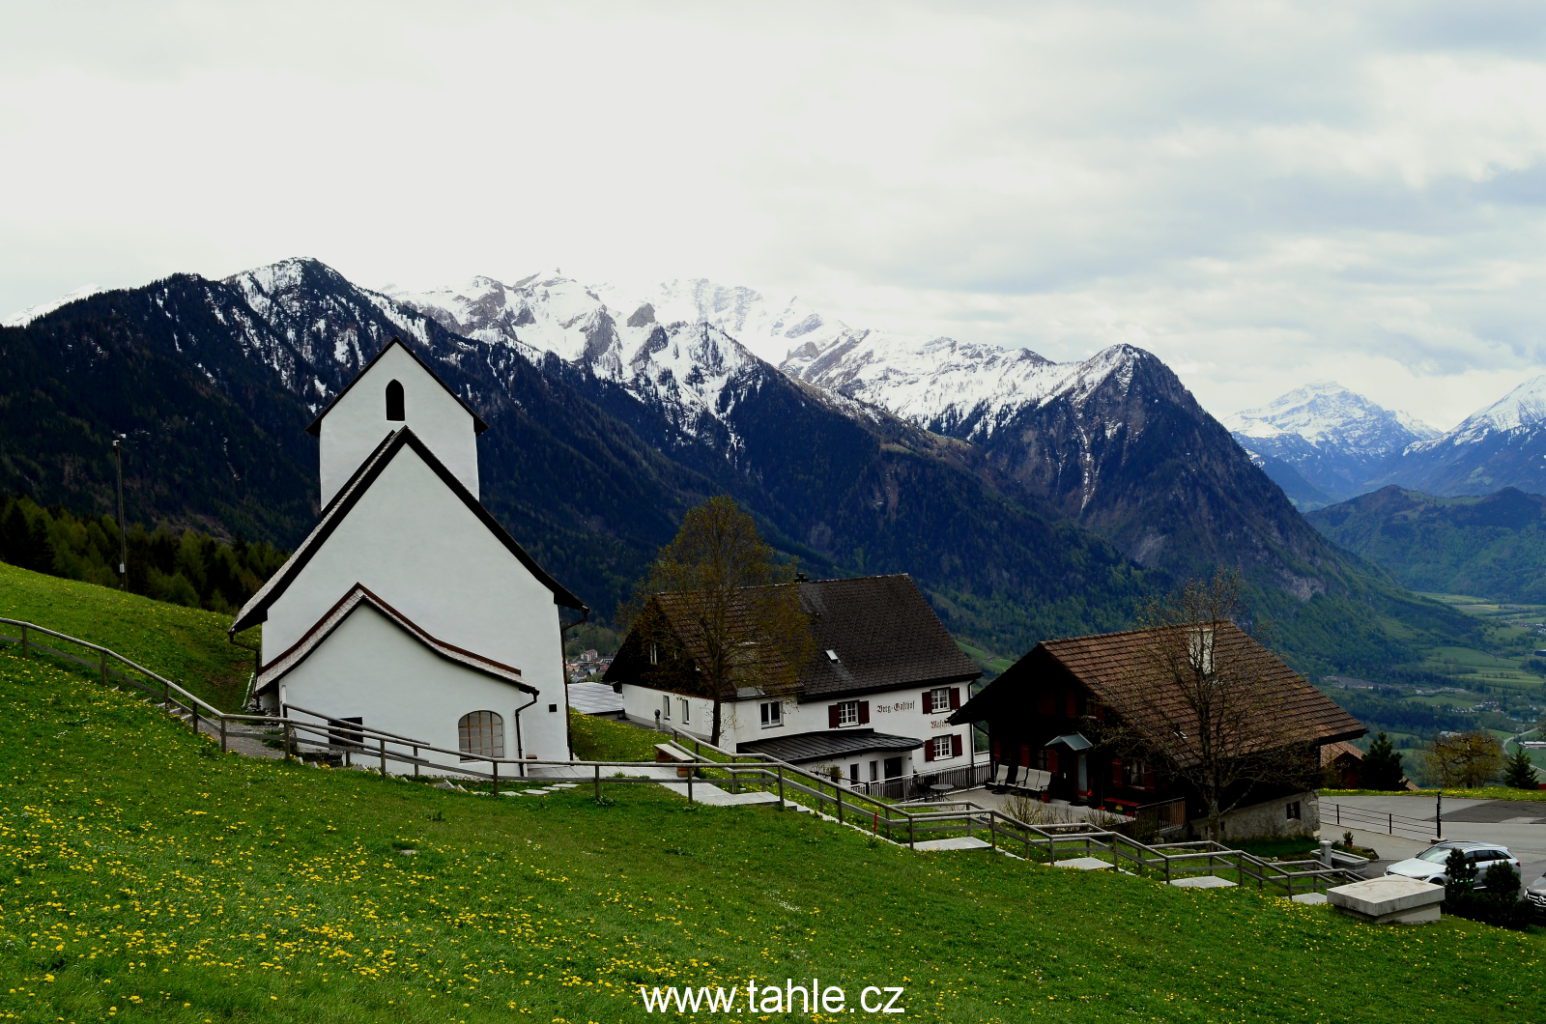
column 847, row 713
column 665, row 707
column 944, row 747
column 686, row 710
column 939, row 699
column 772, row 714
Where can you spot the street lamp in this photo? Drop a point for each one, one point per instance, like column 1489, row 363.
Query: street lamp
column 123, row 537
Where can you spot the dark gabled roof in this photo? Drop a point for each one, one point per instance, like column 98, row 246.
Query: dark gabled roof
column 290, row 659
column 884, row 635
column 256, row 608
column 881, row 629
column 1122, row 672
column 821, row 746
column 316, row 425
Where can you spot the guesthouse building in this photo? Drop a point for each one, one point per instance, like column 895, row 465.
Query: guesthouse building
column 870, row 707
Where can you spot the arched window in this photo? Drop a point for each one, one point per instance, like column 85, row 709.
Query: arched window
column 394, row 397
column 480, row 734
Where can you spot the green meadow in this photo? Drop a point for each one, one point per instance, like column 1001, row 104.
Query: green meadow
column 144, row 876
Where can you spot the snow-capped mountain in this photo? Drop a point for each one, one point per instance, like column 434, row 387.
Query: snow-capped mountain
column 1323, row 443
column 1327, row 414
column 608, row 419
column 1502, row 445
column 1102, row 440
column 31, row 313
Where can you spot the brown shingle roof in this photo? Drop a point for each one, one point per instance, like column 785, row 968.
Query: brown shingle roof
column 1127, row 673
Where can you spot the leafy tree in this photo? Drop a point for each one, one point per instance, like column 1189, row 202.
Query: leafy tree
column 1220, row 730
column 717, row 613
column 1465, row 759
column 1382, row 765
column 1519, row 770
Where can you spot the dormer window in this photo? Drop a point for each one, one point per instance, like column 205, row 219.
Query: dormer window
column 394, row 402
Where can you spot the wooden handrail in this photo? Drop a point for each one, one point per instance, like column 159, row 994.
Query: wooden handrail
column 192, row 701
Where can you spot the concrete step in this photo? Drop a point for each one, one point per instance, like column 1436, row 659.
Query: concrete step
column 953, row 843
column 1084, row 864
column 1202, row 882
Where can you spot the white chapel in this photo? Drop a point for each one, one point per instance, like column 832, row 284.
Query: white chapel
column 408, row 609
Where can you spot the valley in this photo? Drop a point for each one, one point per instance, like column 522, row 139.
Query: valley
column 1029, row 498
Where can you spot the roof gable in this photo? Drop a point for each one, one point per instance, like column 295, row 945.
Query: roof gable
column 360, row 595
column 256, row 608
column 315, row 426
column 1121, row 671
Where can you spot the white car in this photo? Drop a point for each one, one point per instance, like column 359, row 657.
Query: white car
column 1428, row 866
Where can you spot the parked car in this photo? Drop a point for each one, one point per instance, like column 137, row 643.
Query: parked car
column 1536, row 894
column 1428, row 866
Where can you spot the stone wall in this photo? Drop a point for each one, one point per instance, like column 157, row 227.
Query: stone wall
column 1270, row 820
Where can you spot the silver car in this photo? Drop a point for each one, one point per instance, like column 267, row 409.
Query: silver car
column 1428, row 866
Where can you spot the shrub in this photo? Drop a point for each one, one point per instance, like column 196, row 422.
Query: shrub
column 1497, row 903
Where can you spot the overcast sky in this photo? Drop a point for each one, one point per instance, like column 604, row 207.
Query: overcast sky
column 1263, row 195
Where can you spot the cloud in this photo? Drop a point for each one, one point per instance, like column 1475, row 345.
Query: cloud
column 1263, row 194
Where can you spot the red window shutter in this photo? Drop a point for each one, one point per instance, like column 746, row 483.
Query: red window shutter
column 955, row 697
column 1116, row 771
column 864, row 712
column 832, row 717
column 928, row 751
column 998, row 752
column 1052, row 761
column 955, row 745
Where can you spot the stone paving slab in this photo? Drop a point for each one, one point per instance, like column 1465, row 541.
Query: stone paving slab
column 953, row 843
column 1084, row 864
column 1310, row 899
column 1202, row 882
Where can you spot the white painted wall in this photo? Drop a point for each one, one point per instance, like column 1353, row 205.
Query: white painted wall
column 355, row 425
column 414, row 544
column 895, row 712
column 370, row 669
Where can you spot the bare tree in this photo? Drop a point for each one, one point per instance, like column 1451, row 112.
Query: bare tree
column 717, row 612
column 1208, row 708
column 1466, row 759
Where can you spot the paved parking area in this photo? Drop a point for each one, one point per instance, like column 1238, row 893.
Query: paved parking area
column 1519, row 825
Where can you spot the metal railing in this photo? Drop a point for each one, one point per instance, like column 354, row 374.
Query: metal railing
column 1364, row 820
column 357, row 745
column 911, row 825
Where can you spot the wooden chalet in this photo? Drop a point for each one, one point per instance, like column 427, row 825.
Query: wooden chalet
column 1081, row 710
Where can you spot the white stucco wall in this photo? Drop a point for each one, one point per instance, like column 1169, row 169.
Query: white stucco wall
column 895, row 712
column 370, row 669
column 415, row 545
column 355, row 425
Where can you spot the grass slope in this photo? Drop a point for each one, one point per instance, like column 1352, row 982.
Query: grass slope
column 186, row 645
column 145, row 877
